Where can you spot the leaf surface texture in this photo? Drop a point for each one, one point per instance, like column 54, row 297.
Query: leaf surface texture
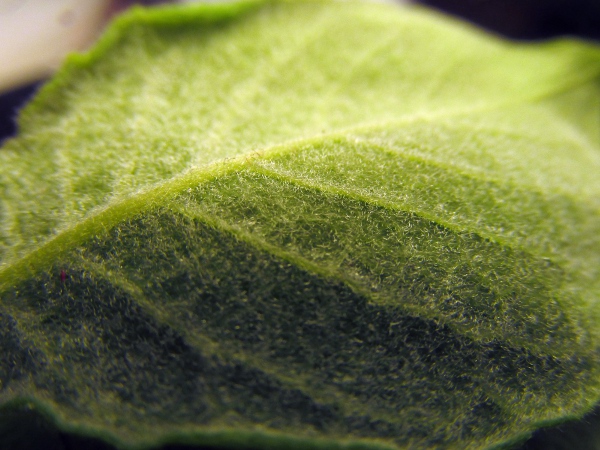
column 305, row 224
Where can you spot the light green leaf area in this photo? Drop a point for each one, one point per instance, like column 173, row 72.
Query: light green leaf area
column 305, row 224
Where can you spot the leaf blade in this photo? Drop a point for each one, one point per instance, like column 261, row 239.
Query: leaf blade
column 454, row 210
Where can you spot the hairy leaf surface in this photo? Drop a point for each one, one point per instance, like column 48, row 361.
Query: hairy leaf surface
column 305, row 224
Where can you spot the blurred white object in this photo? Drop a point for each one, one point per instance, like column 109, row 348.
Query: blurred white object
column 35, row 35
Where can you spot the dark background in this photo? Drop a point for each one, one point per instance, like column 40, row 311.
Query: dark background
column 528, row 19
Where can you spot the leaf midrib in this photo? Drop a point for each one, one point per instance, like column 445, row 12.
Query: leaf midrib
column 106, row 216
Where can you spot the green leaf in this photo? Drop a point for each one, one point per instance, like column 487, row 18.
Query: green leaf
column 304, row 224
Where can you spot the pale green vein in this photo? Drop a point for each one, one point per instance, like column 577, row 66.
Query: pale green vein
column 192, row 211
column 327, row 270
column 323, row 270
column 269, row 68
column 254, row 124
column 436, row 83
column 339, row 187
column 368, row 198
column 205, row 345
column 9, row 236
column 105, row 218
column 64, row 176
column 432, row 117
column 360, row 62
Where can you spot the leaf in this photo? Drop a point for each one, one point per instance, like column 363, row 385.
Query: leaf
column 305, row 224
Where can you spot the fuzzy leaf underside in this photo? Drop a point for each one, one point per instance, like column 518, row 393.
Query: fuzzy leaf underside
column 305, row 224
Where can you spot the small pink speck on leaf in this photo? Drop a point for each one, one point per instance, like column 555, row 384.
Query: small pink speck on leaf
column 63, row 276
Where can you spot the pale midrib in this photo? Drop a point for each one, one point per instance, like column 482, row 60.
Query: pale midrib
column 217, row 171
column 585, row 78
column 137, row 204
column 8, row 223
column 105, row 217
column 63, row 162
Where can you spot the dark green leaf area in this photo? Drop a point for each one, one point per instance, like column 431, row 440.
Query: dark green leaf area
column 181, row 325
column 401, row 170
column 489, row 289
column 19, row 357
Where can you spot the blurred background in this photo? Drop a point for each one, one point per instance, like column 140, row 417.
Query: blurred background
column 528, row 19
column 36, row 35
